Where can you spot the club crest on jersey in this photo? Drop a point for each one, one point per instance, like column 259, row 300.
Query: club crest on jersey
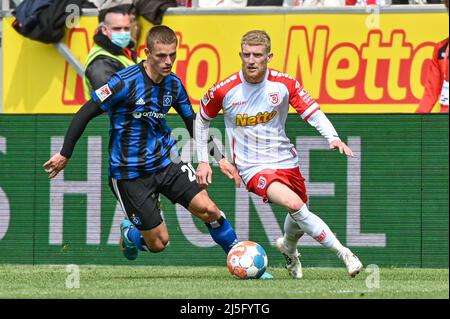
column 274, row 98
column 262, row 182
column 103, row 93
column 167, row 100
column 136, row 220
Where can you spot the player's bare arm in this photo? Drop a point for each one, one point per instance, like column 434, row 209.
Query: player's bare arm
column 55, row 164
column 201, row 133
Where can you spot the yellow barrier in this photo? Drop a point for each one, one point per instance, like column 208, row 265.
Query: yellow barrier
column 347, row 65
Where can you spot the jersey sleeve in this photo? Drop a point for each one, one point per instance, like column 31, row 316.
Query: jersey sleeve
column 110, row 94
column 211, row 104
column 301, row 100
column 433, row 85
column 183, row 105
column 101, row 69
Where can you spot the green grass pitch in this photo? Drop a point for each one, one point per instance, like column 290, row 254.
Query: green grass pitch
column 54, row 281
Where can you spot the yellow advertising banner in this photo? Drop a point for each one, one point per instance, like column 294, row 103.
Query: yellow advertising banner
column 349, row 62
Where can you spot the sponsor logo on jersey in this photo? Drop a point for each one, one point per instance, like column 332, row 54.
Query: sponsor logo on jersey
column 205, row 99
column 208, row 96
column 304, row 95
column 167, row 100
column 140, row 102
column 321, row 236
column 221, row 84
column 239, row 103
column 103, row 93
column 280, row 74
column 274, row 98
column 262, row 182
column 260, row 118
column 138, row 115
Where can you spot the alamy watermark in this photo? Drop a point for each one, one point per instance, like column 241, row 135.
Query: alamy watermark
column 73, row 279
column 373, row 279
column 373, row 20
column 73, row 18
column 266, row 144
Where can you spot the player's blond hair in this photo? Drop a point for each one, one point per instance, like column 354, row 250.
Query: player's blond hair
column 256, row 37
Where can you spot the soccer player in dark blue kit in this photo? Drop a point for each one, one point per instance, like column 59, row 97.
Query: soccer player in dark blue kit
column 144, row 161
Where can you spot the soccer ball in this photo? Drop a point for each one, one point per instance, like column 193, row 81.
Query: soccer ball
column 247, row 260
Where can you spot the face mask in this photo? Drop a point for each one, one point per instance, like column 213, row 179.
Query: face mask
column 122, row 39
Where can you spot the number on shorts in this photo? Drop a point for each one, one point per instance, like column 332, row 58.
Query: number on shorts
column 190, row 171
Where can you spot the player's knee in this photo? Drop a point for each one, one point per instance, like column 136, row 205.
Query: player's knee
column 156, row 248
column 158, row 245
column 293, row 204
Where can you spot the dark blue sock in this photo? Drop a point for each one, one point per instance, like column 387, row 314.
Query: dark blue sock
column 135, row 236
column 223, row 233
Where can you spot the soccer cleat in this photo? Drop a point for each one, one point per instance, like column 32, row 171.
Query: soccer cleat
column 128, row 247
column 266, row 275
column 293, row 265
column 352, row 263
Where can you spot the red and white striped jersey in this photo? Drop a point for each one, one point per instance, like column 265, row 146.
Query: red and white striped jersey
column 255, row 117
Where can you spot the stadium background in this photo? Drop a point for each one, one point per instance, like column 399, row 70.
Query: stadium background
column 390, row 207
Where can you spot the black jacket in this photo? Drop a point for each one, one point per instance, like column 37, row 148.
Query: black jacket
column 154, row 10
column 100, row 70
column 48, row 23
column 251, row 3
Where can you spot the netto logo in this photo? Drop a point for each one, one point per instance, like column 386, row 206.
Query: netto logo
column 138, row 115
column 245, row 120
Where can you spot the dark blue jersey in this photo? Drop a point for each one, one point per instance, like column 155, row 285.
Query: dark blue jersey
column 140, row 140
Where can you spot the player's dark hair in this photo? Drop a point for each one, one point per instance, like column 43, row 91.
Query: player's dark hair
column 122, row 8
column 161, row 34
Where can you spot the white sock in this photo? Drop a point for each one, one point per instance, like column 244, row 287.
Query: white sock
column 338, row 248
column 292, row 233
column 314, row 226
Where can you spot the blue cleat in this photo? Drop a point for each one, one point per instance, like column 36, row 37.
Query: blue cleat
column 266, row 275
column 128, row 247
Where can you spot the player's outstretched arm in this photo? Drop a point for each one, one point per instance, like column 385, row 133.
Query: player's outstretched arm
column 322, row 124
column 342, row 147
column 55, row 164
column 58, row 161
column 201, row 134
column 230, row 171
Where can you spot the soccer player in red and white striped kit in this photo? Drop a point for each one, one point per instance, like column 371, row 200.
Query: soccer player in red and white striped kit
column 255, row 104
